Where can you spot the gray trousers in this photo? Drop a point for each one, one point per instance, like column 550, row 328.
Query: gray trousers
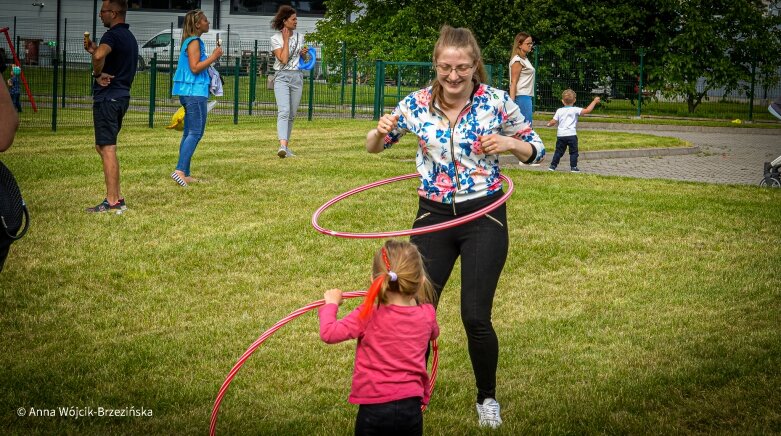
column 288, row 86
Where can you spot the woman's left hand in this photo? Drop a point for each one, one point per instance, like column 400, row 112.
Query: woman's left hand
column 495, row 144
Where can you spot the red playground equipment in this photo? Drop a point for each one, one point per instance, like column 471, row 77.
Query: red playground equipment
column 19, row 64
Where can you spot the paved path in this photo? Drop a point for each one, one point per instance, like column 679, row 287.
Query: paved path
column 727, row 156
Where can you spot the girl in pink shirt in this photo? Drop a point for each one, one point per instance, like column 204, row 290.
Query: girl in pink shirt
column 394, row 326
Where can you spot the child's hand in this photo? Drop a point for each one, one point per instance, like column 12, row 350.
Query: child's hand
column 333, row 296
column 597, row 100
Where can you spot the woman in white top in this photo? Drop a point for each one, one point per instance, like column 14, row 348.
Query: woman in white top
column 522, row 75
column 287, row 46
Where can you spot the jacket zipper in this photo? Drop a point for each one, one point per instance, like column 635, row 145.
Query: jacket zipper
column 422, row 216
column 453, row 148
column 495, row 220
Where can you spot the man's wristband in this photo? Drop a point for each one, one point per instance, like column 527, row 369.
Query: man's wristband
column 96, row 75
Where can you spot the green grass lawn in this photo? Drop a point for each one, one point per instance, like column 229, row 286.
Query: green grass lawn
column 626, row 306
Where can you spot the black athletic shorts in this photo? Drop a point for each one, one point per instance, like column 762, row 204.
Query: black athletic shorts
column 107, row 116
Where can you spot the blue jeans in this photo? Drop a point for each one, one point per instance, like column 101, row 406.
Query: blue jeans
column 194, row 126
column 525, row 103
column 562, row 142
column 288, row 86
column 17, row 103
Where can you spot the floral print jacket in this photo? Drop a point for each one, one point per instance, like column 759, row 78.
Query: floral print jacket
column 451, row 164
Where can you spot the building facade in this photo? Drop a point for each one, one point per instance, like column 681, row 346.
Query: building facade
column 32, row 25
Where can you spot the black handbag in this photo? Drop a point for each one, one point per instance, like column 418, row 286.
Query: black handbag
column 13, row 210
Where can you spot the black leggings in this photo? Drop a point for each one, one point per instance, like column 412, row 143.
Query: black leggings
column 482, row 245
column 395, row 418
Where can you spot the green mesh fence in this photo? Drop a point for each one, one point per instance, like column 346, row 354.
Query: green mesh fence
column 345, row 87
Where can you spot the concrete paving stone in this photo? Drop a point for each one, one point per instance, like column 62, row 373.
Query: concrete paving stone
column 734, row 156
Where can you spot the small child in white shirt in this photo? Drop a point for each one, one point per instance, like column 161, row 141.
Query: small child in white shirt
column 567, row 135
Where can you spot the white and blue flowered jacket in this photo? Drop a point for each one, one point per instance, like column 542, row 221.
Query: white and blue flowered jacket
column 451, row 164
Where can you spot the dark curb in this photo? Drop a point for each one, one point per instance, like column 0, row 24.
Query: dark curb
column 651, row 128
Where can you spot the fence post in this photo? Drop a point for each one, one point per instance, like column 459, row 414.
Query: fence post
column 152, row 90
column 379, row 88
column 56, row 63
column 253, row 77
column 751, row 93
column 64, row 59
column 355, row 83
column 236, row 91
column 398, row 83
column 64, row 75
column 311, row 90
column 490, row 73
column 344, row 71
column 171, row 65
column 229, row 45
column 536, row 68
column 640, row 84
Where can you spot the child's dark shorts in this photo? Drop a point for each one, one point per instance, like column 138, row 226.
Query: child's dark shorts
column 107, row 117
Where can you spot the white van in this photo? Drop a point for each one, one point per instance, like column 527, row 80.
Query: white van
column 161, row 44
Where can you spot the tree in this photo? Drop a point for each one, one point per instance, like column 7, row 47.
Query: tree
column 692, row 46
column 711, row 44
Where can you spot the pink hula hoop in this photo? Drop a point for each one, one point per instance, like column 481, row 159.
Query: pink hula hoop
column 420, row 230
column 277, row 326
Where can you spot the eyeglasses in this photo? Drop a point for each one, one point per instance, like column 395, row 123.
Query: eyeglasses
column 461, row 70
column 103, row 11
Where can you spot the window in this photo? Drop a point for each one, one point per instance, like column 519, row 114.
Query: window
column 314, row 8
column 173, row 5
column 161, row 40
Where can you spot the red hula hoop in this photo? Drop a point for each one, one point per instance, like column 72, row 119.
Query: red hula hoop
column 274, row 328
column 420, row 230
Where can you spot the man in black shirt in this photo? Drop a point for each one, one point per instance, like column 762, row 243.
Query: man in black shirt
column 113, row 67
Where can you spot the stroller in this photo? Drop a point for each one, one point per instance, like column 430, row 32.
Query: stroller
column 772, row 176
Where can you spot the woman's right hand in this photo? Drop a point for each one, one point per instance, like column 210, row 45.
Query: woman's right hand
column 387, row 123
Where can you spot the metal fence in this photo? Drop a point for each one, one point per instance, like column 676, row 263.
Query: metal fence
column 339, row 86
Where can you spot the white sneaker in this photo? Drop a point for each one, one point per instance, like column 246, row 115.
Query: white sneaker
column 488, row 413
column 282, row 152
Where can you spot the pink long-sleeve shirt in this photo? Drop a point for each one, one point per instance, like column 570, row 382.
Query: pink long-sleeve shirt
column 390, row 358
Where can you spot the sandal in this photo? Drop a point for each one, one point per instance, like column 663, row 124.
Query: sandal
column 178, row 179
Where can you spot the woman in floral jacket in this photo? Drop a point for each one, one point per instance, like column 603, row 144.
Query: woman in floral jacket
column 463, row 125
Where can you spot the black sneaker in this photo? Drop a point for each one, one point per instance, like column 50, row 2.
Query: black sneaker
column 104, row 206
column 122, row 204
column 575, row 170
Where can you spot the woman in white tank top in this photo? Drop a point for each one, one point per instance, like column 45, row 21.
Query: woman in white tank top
column 522, row 75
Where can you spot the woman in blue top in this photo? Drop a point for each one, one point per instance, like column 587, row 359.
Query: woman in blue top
column 191, row 84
